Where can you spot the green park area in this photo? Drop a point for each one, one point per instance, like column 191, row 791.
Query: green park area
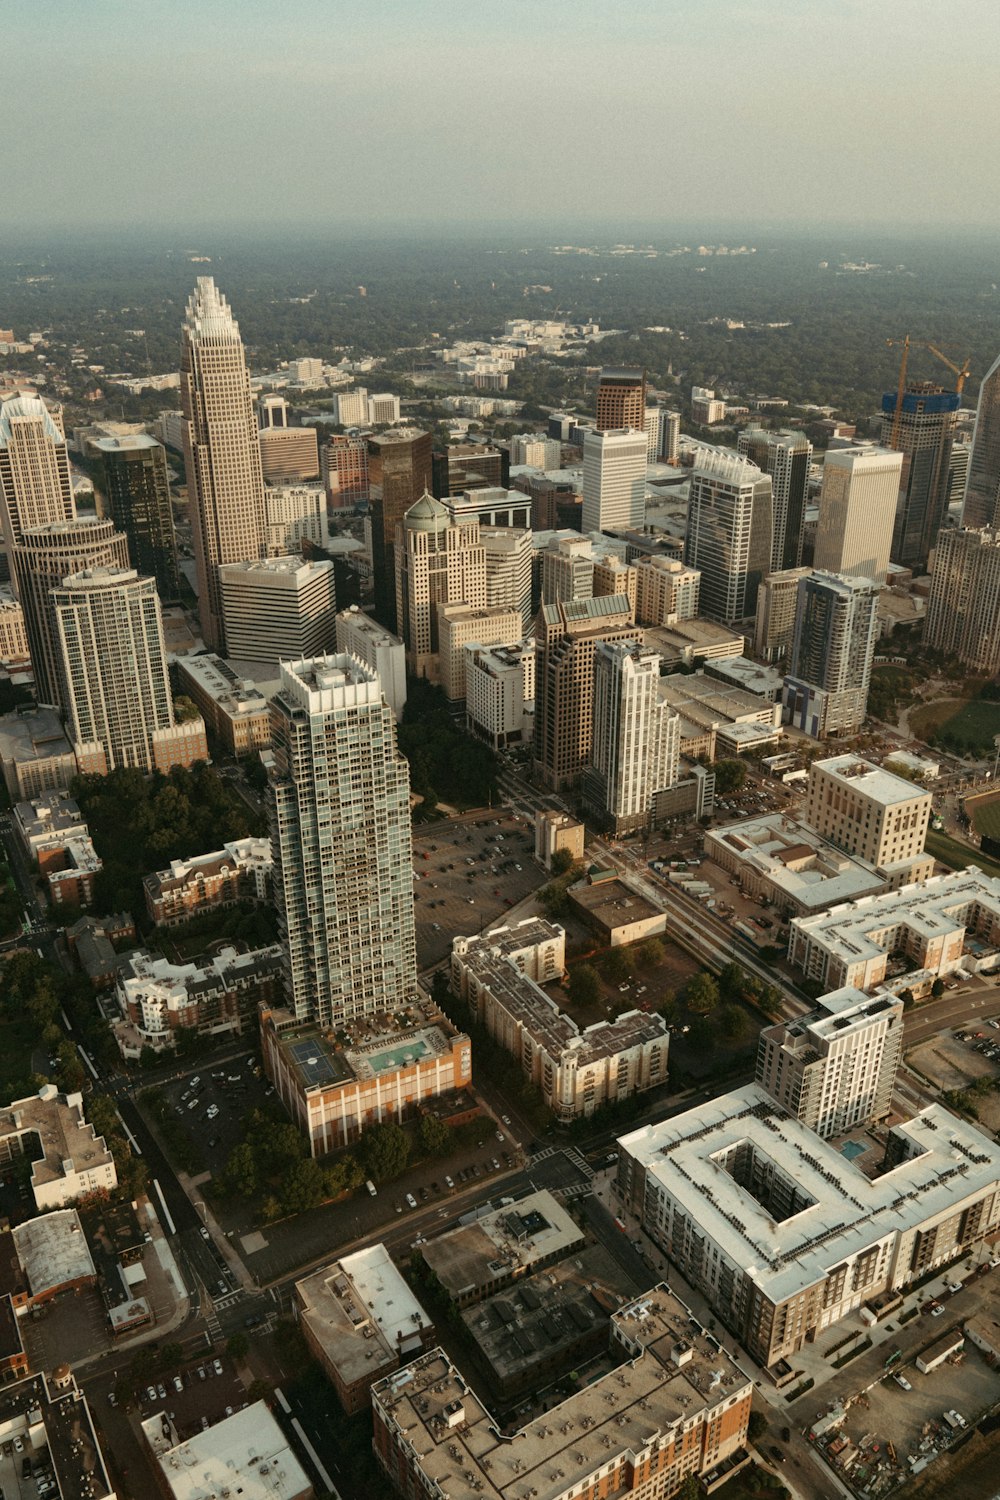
column 956, row 855
column 985, row 814
column 965, row 726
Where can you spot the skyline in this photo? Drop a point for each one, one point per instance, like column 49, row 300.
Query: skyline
column 781, row 118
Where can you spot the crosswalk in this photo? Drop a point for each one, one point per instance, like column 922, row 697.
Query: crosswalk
column 572, row 1155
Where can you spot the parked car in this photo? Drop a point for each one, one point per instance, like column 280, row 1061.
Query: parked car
column 902, row 1382
column 217, row 1366
column 411, row 1202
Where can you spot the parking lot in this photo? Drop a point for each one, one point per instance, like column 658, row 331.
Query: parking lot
column 18, row 1482
column 467, row 873
column 197, row 1395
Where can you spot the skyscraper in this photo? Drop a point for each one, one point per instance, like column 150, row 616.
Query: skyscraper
column 339, row 805
column 35, row 485
column 399, row 472
column 507, row 551
column 278, row 608
column 774, row 624
column 438, row 561
column 469, row 466
column 567, row 636
column 135, row 474
column 116, row 689
column 621, row 400
column 345, row 470
column 221, row 452
column 43, row 558
column 614, row 479
column 826, row 689
column 925, row 436
column 963, row 610
column 786, row 456
column 982, row 491
column 857, row 511
column 636, row 740
column 728, row 533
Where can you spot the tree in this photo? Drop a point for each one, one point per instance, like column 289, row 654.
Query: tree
column 238, row 1346
column 907, row 998
column 732, row 981
column 240, row 1172
column 937, row 989
column 757, row 1426
column 729, row 775
column 617, row 967
column 384, row 1151
column 584, row 986
column 668, row 1006
column 702, row 993
column 302, row 1186
column 651, row 953
column 733, row 1023
column 433, row 1136
column 343, row 1176
column 562, row 862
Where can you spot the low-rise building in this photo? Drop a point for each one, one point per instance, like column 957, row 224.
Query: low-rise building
column 717, row 718
column 245, row 1454
column 35, row 754
column 675, row 1404
column 778, row 860
column 68, row 1160
column 157, row 998
column 54, row 837
column 748, row 676
column 54, row 1255
column 500, row 693
column 239, row 871
column 500, row 973
column 49, row 1412
column 555, row 831
column 616, row 911
column 233, row 707
column 951, row 922
column 477, row 1259
column 334, row 1089
column 688, row 642
column 784, row 1236
column 360, row 1320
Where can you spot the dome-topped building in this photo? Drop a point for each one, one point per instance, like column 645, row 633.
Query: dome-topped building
column 438, row 561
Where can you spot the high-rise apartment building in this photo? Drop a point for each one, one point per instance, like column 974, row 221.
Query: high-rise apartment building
column 567, row 569
column 728, row 533
column 857, row 511
column 350, row 408
column 614, row 576
column 567, row 636
column 438, row 562
column 507, row 551
column 826, row 689
column 614, row 478
column 225, row 482
column 636, row 737
column 621, row 400
column 278, row 608
column 786, row 456
column 339, row 804
column 926, row 432
column 45, row 556
column 399, row 472
column 344, row 463
column 963, row 610
column 295, row 520
column 116, row 689
column 834, row 1069
column 665, row 588
column 982, row 489
column 383, row 409
column 670, row 434
column 652, row 425
column 138, row 491
column 777, row 601
column 867, row 811
column 35, row 485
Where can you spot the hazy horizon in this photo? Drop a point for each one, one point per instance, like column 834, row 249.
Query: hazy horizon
column 560, row 116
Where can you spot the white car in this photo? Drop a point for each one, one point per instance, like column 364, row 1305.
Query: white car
column 411, row 1202
column 902, row 1382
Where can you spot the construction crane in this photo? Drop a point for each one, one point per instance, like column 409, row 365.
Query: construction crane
column 959, row 371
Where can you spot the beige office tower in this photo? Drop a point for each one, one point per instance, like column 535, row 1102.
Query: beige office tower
column 221, row 451
column 857, row 511
column 118, row 705
column 867, row 811
column 508, row 552
column 567, row 569
column 636, row 743
column 567, row 635
column 665, row 590
column 963, row 610
column 45, row 556
column 614, row 479
column 461, row 625
column 774, row 626
column 613, row 576
column 438, row 561
column 339, row 804
column 834, row 1069
column 278, row 608
column 35, row 485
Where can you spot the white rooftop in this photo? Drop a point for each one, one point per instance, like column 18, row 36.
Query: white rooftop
column 874, row 781
column 246, row 1454
column 806, row 869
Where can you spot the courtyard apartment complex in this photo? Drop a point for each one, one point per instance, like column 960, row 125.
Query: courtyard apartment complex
column 782, row 1234
column 675, row 1405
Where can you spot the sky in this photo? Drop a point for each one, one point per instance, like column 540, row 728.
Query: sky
column 388, row 114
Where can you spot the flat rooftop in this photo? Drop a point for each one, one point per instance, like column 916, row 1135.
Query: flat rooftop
column 375, row 1047
column 362, row 1313
column 792, row 857
column 66, row 1137
column 35, row 735
column 236, row 694
column 613, row 903
column 873, row 781
column 706, row 701
column 504, row 1242
column 69, row 1433
column 53, row 1250
column 673, row 1369
column 246, row 1454
column 843, row 1211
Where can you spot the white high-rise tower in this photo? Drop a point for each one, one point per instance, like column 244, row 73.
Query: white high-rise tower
column 35, row 485
column 221, row 450
column 636, row 740
column 614, row 479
